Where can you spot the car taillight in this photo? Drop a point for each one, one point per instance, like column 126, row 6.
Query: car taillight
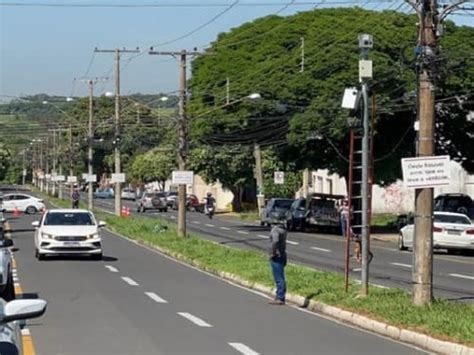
column 470, row 231
column 437, row 229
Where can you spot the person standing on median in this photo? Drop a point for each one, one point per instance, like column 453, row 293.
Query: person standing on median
column 278, row 260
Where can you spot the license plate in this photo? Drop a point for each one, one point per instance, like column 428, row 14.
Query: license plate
column 74, row 244
column 453, row 232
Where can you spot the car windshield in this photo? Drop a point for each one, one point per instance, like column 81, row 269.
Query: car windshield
column 283, row 203
column 68, row 219
column 318, row 203
column 446, row 218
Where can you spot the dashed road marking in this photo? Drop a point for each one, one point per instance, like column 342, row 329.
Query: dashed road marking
column 243, row 349
column 173, row 217
column 209, row 225
column 321, row 249
column 402, row 265
column 292, row 242
column 225, row 228
column 262, row 236
column 242, row 232
column 130, row 281
column 357, row 269
column 194, row 319
column 196, row 222
column 462, row 276
column 111, row 268
column 155, row 297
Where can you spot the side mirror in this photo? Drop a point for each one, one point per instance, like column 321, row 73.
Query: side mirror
column 35, row 224
column 102, row 224
column 23, row 309
column 6, row 243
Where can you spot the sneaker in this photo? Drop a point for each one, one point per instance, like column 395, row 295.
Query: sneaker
column 277, row 302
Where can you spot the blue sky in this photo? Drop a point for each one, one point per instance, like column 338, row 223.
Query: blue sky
column 42, row 49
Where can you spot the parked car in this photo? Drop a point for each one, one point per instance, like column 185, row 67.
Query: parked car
column 296, row 215
column 322, row 212
column 7, row 287
column 146, row 201
column 128, row 194
column 23, row 203
column 275, row 210
column 459, row 203
column 68, row 232
column 451, row 231
column 171, row 197
column 11, row 315
column 104, row 193
column 158, row 202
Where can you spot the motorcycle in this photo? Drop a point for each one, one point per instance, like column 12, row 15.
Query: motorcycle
column 210, row 211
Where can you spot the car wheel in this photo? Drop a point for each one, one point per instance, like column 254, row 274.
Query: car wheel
column 40, row 256
column 401, row 244
column 453, row 251
column 165, row 209
column 262, row 223
column 8, row 293
column 30, row 210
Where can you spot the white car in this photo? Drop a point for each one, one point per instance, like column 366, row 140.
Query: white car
column 451, row 231
column 11, row 314
column 23, row 203
column 128, row 194
column 7, row 287
column 68, row 232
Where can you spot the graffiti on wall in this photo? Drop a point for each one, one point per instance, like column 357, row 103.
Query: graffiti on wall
column 396, row 198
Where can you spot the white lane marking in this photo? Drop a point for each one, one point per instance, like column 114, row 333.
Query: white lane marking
column 242, row 232
column 292, row 242
column 462, row 276
column 262, row 236
column 357, row 269
column 111, row 268
column 225, row 228
column 196, row 222
column 402, row 265
column 25, row 331
column 130, row 281
column 155, row 297
column 321, row 249
column 209, row 225
column 173, row 217
column 194, row 319
column 380, row 286
column 243, row 349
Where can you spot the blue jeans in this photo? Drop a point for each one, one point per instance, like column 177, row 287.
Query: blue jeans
column 278, row 270
column 344, row 227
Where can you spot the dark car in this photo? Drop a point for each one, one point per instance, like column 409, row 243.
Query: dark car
column 296, row 214
column 458, row 203
column 275, row 210
column 322, row 212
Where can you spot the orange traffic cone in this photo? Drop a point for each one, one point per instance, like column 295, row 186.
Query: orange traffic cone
column 123, row 212
column 127, row 211
column 16, row 212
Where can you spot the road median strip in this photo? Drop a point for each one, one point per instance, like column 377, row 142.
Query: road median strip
column 443, row 327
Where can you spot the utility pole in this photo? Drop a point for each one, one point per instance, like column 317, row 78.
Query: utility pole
column 257, row 153
column 53, row 174
column 227, row 91
column 42, row 167
column 182, row 133
column 71, row 164
column 23, row 180
column 48, row 154
column 365, row 72
column 302, row 55
column 429, row 30
column 117, row 52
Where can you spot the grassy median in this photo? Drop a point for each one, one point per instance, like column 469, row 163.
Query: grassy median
column 443, row 319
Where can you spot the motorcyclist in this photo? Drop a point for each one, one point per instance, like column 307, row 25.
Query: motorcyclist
column 209, row 203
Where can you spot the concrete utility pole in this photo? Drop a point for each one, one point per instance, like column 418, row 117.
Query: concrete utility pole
column 257, row 153
column 429, row 31
column 23, row 180
column 53, row 174
column 182, row 133
column 71, row 164
column 117, row 52
column 90, row 137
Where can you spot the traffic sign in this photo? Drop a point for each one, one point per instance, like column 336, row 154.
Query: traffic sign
column 91, row 178
column 183, row 177
column 59, row 178
column 72, row 179
column 426, row 172
column 117, row 178
column 279, row 177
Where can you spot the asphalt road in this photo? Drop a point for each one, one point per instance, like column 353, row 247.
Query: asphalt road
column 453, row 275
column 136, row 301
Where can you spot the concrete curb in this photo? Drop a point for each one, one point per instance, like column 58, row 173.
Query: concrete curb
column 400, row 334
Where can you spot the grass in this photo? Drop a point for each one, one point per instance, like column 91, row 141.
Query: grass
column 383, row 219
column 442, row 319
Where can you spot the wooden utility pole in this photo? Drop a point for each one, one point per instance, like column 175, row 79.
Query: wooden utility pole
column 257, row 153
column 427, row 49
column 117, row 52
column 182, row 132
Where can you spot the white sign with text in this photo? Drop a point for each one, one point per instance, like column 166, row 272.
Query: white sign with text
column 91, row 178
column 279, row 178
column 117, row 178
column 183, row 177
column 72, row 179
column 426, row 172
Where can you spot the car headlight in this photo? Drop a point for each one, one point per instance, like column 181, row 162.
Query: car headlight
column 93, row 236
column 47, row 236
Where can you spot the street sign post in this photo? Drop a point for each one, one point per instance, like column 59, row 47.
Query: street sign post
column 279, row 178
column 424, row 172
column 183, row 177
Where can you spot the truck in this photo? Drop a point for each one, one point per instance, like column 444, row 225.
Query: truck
column 322, row 212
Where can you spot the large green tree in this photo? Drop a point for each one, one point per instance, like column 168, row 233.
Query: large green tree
column 264, row 56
